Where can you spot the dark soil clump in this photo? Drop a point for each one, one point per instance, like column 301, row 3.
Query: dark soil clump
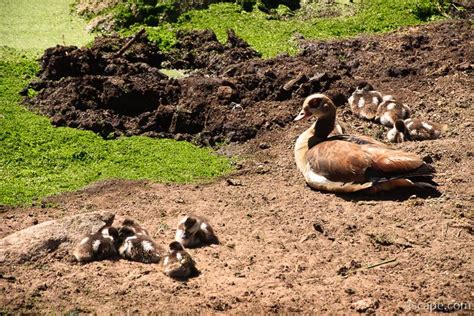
column 232, row 94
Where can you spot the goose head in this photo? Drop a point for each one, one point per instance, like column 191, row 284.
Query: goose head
column 316, row 104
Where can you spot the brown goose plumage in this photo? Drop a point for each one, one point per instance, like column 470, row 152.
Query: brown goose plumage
column 344, row 163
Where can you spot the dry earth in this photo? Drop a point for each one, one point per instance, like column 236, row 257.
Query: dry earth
column 284, row 247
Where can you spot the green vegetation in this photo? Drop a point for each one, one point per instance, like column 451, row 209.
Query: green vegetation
column 272, row 34
column 37, row 24
column 37, row 159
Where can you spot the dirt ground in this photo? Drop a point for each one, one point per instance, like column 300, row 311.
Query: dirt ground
column 284, row 247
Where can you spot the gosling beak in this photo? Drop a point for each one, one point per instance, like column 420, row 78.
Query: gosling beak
column 300, row 116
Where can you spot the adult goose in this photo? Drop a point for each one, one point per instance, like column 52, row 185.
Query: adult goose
column 345, row 163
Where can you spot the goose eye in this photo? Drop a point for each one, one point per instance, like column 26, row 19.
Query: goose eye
column 314, row 106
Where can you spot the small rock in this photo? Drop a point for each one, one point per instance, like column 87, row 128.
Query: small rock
column 464, row 66
column 225, row 92
column 318, row 227
column 365, row 304
column 290, row 84
column 35, row 242
column 320, row 76
column 305, row 238
column 349, row 291
column 264, row 145
column 427, row 158
column 9, row 278
column 371, row 203
column 261, row 169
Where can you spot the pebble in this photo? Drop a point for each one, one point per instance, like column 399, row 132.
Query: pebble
column 365, row 304
column 261, row 169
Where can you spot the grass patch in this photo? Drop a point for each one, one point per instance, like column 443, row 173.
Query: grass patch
column 39, row 24
column 37, row 159
column 272, row 36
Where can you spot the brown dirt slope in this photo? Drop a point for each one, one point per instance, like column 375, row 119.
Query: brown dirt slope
column 283, row 246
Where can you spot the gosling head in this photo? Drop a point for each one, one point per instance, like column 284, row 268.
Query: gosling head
column 315, row 104
column 188, row 227
column 398, row 133
column 176, row 246
column 364, row 86
column 126, row 231
column 131, row 227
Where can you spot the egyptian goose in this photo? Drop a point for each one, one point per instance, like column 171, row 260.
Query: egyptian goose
column 344, row 163
column 137, row 245
column 194, row 231
column 364, row 101
column 97, row 246
column 415, row 129
column 178, row 263
column 390, row 111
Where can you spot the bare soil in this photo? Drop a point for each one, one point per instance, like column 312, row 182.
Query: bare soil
column 284, row 247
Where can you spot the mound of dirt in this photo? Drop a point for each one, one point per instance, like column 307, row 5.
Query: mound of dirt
column 231, row 96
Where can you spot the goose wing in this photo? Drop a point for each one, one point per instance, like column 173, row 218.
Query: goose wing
column 346, row 162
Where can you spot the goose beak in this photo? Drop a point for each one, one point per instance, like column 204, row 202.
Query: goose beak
column 300, row 116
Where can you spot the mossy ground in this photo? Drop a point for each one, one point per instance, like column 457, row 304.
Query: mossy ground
column 37, row 159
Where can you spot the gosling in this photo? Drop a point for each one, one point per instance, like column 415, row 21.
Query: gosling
column 390, row 111
column 178, row 263
column 137, row 245
column 195, row 231
column 98, row 246
column 364, row 101
column 415, row 129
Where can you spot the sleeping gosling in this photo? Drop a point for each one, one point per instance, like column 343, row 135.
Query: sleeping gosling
column 364, row 101
column 178, row 263
column 390, row 111
column 137, row 245
column 98, row 246
column 194, row 231
column 415, row 129
column 420, row 129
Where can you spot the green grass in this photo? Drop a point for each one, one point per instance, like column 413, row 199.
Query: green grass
column 273, row 36
column 38, row 24
column 37, row 159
